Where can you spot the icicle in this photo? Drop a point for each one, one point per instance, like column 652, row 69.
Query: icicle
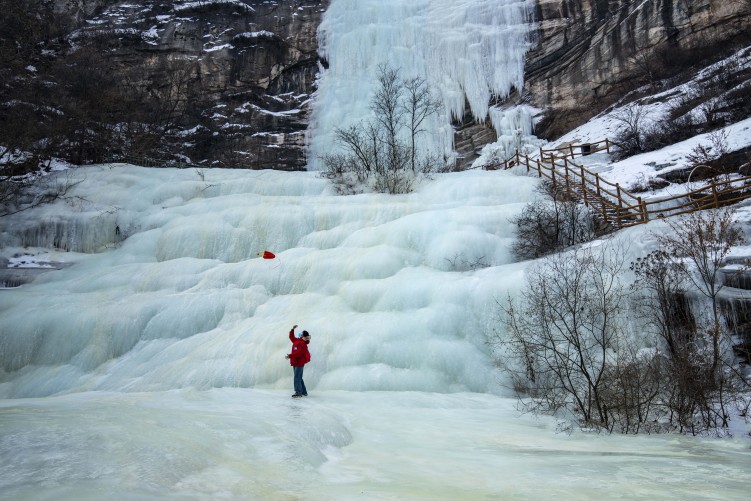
column 470, row 51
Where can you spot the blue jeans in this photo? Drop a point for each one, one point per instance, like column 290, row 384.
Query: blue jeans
column 299, row 383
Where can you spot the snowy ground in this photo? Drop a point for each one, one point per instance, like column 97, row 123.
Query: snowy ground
column 259, row 444
column 637, row 169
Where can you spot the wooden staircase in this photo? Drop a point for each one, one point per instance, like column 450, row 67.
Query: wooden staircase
column 613, row 205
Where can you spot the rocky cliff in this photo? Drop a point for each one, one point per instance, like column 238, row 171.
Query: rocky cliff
column 586, row 54
column 229, row 82
column 233, row 77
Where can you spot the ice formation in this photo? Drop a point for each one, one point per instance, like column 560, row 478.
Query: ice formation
column 470, row 51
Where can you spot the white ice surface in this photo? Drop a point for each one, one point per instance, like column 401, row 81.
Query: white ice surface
column 153, row 367
column 468, row 50
column 384, row 283
column 260, row 444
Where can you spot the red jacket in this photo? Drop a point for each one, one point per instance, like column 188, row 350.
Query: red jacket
column 300, row 354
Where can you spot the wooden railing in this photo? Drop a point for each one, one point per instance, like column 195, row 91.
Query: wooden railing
column 615, row 205
column 573, row 150
column 153, row 162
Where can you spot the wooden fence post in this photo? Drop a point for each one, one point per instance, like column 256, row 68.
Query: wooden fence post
column 620, row 203
column 604, row 210
column 623, row 212
column 552, row 171
column 714, row 195
column 566, row 175
column 584, row 187
column 643, row 206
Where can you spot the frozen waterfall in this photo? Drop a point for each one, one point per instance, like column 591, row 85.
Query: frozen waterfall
column 184, row 301
column 151, row 365
column 469, row 51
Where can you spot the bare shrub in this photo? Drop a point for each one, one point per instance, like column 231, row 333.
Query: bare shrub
column 702, row 240
column 708, row 154
column 566, row 350
column 667, row 132
column 642, row 183
column 565, row 347
column 663, row 286
column 696, row 350
column 383, row 153
column 632, row 386
column 647, row 65
column 551, row 223
column 24, row 192
column 462, row 263
column 339, row 174
column 660, row 294
column 632, row 121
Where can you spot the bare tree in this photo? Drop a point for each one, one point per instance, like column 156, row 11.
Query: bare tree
column 24, row 192
column 706, row 155
column 383, row 151
column 661, row 292
column 362, row 145
column 565, row 346
column 632, row 124
column 632, row 388
column 172, row 94
column 419, row 105
column 551, row 223
column 701, row 241
column 647, row 64
column 388, row 116
column 29, row 33
column 566, row 350
column 707, row 379
column 694, row 346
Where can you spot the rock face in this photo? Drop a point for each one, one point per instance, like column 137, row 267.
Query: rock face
column 588, row 53
column 238, row 75
column 234, row 78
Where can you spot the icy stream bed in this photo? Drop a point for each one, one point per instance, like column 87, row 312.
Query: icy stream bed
column 337, row 445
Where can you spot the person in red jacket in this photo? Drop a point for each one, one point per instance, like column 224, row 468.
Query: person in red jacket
column 298, row 358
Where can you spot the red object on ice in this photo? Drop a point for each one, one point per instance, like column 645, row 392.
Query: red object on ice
column 267, row 255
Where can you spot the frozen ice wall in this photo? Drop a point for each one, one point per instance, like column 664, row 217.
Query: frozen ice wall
column 398, row 291
column 468, row 50
column 160, row 354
